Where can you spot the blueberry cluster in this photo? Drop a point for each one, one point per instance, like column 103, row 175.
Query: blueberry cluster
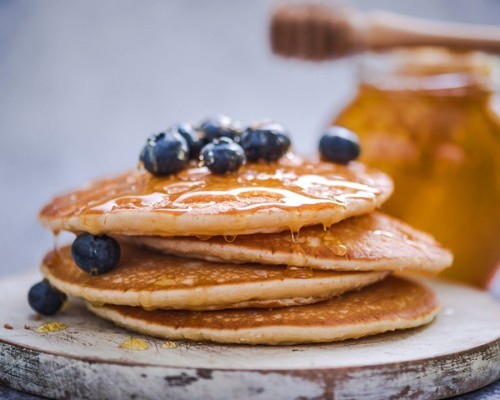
column 220, row 143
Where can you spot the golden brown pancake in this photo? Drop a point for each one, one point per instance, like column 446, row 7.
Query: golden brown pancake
column 367, row 243
column 152, row 280
column 394, row 303
column 274, row 197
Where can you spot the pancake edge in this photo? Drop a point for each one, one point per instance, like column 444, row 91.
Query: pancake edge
column 217, row 297
column 221, row 253
column 287, row 335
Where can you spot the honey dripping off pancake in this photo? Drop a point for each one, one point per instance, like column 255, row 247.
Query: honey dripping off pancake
column 259, row 198
column 151, row 280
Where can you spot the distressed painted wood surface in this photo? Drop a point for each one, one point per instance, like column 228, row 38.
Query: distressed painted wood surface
column 457, row 353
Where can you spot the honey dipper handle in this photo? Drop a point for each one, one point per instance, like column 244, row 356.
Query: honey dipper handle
column 318, row 32
column 386, row 30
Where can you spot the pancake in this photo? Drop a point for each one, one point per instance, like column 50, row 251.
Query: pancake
column 394, row 303
column 373, row 242
column 259, row 198
column 152, row 280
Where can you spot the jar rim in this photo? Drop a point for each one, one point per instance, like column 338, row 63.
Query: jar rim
column 432, row 69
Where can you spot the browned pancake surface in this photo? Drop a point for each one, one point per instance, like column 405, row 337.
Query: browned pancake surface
column 261, row 197
column 370, row 242
column 394, row 303
column 153, row 280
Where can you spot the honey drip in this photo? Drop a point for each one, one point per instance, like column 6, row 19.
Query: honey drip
column 51, row 327
column 298, row 272
column 133, row 343
column 298, row 249
column 295, row 236
column 335, row 246
column 230, row 238
column 340, row 250
column 204, row 238
column 290, row 183
column 56, row 240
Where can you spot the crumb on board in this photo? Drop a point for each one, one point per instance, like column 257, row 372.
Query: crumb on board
column 8, row 326
column 27, row 327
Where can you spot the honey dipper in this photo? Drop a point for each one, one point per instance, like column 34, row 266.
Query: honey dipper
column 318, row 32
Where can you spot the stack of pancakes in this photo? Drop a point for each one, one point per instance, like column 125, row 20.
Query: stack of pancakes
column 279, row 253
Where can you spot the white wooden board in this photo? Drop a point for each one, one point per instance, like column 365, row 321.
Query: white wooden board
column 457, row 353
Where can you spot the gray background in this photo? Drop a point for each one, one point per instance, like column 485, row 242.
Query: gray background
column 82, row 83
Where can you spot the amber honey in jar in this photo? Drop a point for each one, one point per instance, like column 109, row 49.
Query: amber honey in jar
column 431, row 119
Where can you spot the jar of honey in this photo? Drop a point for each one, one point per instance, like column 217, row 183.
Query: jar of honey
column 430, row 118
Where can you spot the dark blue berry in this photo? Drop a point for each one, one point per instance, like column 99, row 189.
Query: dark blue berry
column 220, row 126
column 46, row 299
column 222, row 156
column 95, row 254
column 190, row 135
column 266, row 140
column 339, row 145
column 165, row 153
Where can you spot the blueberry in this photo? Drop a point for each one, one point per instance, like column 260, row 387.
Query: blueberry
column 95, row 254
column 46, row 299
column 220, row 126
column 339, row 145
column 222, row 156
column 265, row 140
column 165, row 153
column 190, row 135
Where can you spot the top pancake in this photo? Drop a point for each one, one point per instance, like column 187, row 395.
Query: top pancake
column 259, row 198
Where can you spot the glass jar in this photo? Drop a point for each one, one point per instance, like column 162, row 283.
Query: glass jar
column 430, row 118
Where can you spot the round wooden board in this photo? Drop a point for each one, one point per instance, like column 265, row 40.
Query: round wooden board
column 457, row 353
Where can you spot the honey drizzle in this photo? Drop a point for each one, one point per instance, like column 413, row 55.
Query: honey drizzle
column 257, row 186
column 230, row 238
column 295, row 236
column 55, row 240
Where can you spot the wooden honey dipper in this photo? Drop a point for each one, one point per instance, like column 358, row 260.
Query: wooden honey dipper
column 317, row 32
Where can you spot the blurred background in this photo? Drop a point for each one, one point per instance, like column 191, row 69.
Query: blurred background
column 82, row 84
